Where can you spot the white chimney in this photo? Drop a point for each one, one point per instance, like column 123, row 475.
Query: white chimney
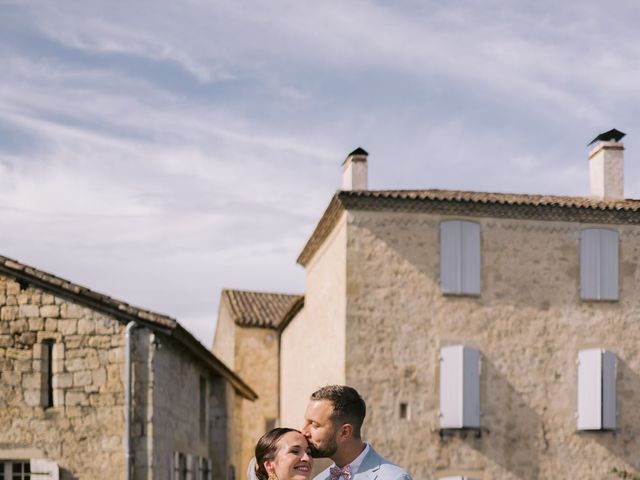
column 606, row 166
column 354, row 175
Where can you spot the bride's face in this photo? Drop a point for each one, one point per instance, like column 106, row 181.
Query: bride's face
column 292, row 460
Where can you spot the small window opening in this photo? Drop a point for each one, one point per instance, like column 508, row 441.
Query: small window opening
column 404, row 410
column 47, row 373
column 203, row 408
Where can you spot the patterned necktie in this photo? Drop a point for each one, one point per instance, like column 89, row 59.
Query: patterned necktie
column 337, row 472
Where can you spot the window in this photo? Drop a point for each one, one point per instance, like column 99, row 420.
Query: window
column 179, row 466
column 404, row 411
column 459, row 387
column 460, row 257
column 205, row 471
column 15, row 470
column 203, row 408
column 596, row 390
column 599, row 264
column 46, row 373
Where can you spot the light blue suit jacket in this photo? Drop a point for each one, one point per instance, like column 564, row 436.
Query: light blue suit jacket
column 373, row 467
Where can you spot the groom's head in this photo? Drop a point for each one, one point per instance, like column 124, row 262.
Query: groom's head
column 333, row 418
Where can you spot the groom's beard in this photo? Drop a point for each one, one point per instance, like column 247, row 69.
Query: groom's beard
column 324, row 451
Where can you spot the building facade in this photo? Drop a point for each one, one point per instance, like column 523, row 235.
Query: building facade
column 247, row 339
column 64, row 355
column 491, row 335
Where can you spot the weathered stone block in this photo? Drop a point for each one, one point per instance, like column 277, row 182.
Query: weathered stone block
column 86, row 326
column 67, row 327
column 82, row 378
column 105, row 326
column 47, row 299
column 63, row 380
column 36, row 324
column 99, row 376
column 99, row 341
column 51, row 325
column 50, row 311
column 18, row 326
column 13, row 288
column 6, row 341
column 32, row 397
column 71, row 310
column 29, row 311
column 75, row 364
column 75, row 341
column 73, row 398
column 31, row 381
column 26, row 339
column 8, row 313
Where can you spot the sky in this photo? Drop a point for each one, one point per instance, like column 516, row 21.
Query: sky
column 159, row 151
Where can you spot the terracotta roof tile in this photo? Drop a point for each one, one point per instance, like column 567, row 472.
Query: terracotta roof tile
column 260, row 309
column 481, row 204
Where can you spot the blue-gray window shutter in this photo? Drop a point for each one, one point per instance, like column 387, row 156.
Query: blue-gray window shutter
column 460, row 257
column 608, row 264
column 599, row 264
column 470, row 258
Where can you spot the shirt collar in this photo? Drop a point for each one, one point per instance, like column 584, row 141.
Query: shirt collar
column 355, row 465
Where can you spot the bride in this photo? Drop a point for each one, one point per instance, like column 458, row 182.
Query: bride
column 281, row 454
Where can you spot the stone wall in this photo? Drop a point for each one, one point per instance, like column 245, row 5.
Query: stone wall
column 173, row 411
column 224, row 339
column 313, row 344
column 257, row 364
column 253, row 353
column 529, row 323
column 83, row 430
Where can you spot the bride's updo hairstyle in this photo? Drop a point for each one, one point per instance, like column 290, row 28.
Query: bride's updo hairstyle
column 266, row 449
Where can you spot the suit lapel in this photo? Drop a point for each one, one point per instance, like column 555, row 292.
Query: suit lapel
column 369, row 466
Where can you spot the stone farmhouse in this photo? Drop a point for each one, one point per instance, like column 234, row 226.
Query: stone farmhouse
column 94, row 388
column 492, row 335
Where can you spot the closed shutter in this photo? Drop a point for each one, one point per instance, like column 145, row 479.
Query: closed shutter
column 608, row 264
column 451, row 387
column 590, row 264
column 599, row 264
column 609, row 371
column 450, row 256
column 470, row 265
column 460, row 257
column 590, row 389
column 471, row 388
column 43, row 469
column 459, row 387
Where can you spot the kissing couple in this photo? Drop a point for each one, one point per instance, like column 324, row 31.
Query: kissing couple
column 332, row 423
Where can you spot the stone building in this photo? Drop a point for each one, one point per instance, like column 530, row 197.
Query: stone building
column 64, row 357
column 492, row 335
column 247, row 340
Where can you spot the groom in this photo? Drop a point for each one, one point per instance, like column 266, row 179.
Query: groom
column 332, row 424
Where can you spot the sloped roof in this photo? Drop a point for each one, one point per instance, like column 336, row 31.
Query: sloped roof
column 123, row 312
column 261, row 309
column 482, row 204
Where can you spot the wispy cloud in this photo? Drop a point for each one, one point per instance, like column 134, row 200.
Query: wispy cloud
column 150, row 148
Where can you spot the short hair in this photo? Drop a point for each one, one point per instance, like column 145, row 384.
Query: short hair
column 267, row 447
column 348, row 405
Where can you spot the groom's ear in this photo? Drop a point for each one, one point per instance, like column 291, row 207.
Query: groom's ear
column 346, row 431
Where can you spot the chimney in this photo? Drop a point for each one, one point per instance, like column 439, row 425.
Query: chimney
column 354, row 175
column 606, row 166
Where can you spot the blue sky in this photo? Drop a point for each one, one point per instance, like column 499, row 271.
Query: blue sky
column 160, row 151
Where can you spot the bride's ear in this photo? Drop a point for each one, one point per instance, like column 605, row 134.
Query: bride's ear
column 269, row 467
